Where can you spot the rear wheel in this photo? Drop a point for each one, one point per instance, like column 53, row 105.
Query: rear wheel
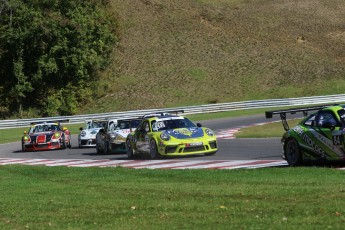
column 63, row 146
column 153, row 150
column 292, row 153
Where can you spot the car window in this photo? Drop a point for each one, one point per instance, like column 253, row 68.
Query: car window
column 310, row 121
column 172, row 123
column 326, row 117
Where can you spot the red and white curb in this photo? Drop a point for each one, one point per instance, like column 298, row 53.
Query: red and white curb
column 230, row 133
column 227, row 134
column 150, row 164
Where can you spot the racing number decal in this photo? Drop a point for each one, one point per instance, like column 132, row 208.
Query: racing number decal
column 337, row 140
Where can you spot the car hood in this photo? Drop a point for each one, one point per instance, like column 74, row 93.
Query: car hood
column 92, row 131
column 48, row 135
column 185, row 133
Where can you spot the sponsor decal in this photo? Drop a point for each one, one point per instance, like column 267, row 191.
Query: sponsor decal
column 186, row 133
column 300, row 132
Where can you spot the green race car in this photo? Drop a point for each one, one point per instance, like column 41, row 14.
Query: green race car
column 164, row 134
column 319, row 137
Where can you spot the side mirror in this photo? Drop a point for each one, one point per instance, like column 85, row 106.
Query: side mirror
column 199, row 125
column 81, row 128
column 24, row 132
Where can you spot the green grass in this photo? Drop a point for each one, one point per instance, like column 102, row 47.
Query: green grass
column 194, row 52
column 34, row 197
column 265, row 131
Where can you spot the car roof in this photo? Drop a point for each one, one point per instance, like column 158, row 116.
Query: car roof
column 334, row 108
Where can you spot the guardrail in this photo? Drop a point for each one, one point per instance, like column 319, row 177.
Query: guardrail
column 210, row 108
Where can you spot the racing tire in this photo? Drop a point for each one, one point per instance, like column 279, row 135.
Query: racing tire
column 129, row 150
column 292, row 153
column 69, row 145
column 153, row 150
column 98, row 151
column 23, row 147
column 106, row 148
column 63, row 146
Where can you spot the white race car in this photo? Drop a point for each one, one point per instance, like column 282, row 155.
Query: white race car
column 87, row 136
column 112, row 139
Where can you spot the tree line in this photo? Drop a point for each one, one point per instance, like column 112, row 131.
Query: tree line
column 51, row 53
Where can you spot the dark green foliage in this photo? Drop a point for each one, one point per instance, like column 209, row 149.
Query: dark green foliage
column 51, row 52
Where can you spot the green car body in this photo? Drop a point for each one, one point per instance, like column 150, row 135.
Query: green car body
column 170, row 135
column 319, row 137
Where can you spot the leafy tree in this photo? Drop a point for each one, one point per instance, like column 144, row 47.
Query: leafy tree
column 51, row 52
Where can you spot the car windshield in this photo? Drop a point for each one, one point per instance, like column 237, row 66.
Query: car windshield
column 97, row 124
column 127, row 124
column 171, row 123
column 45, row 128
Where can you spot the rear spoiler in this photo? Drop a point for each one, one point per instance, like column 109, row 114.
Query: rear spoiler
column 51, row 121
column 304, row 110
column 163, row 113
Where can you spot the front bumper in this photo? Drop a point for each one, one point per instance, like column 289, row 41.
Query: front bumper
column 87, row 142
column 185, row 149
column 42, row 147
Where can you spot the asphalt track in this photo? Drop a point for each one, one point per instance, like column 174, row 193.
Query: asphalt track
column 229, row 148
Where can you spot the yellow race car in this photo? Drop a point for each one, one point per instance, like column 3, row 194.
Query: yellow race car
column 163, row 134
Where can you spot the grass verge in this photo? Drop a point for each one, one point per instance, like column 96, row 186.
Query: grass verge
column 265, row 131
column 37, row 197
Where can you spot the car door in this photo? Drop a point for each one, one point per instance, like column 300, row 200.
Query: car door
column 329, row 135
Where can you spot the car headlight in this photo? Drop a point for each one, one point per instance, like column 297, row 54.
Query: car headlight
column 83, row 133
column 113, row 136
column 165, row 136
column 56, row 136
column 209, row 132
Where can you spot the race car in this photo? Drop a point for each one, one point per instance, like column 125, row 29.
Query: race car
column 87, row 136
column 112, row 139
column 318, row 138
column 164, row 134
column 45, row 136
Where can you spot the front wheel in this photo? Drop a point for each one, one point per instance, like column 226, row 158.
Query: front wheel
column 106, row 147
column 23, row 147
column 98, row 150
column 153, row 150
column 129, row 150
column 292, row 153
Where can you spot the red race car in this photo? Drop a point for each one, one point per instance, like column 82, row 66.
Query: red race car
column 46, row 136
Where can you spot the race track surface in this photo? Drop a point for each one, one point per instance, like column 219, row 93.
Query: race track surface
column 232, row 153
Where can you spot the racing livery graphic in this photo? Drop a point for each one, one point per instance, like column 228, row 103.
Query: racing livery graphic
column 112, row 138
column 319, row 137
column 45, row 136
column 163, row 134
